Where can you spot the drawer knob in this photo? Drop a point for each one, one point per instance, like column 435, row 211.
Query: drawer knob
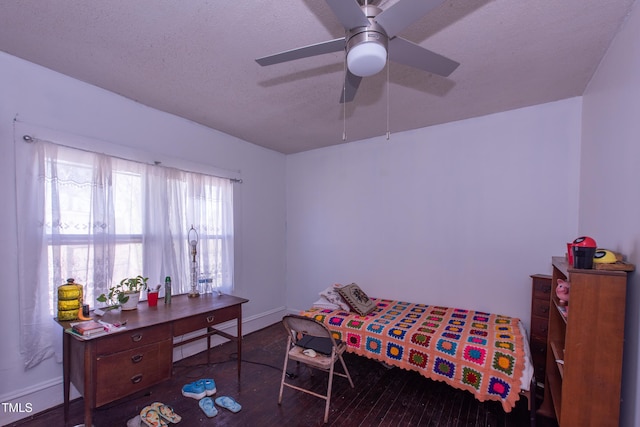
column 545, row 310
column 136, row 379
column 210, row 318
column 136, row 337
column 136, row 358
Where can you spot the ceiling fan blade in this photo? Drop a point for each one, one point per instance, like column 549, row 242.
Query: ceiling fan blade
column 409, row 53
column 404, row 13
column 303, row 52
column 348, row 13
column 351, row 83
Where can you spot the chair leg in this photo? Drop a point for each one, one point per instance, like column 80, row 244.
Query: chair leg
column 284, row 370
column 328, row 398
column 346, row 371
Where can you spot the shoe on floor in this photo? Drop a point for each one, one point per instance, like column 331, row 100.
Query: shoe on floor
column 209, row 386
column 152, row 418
column 228, row 403
column 166, row 412
column 208, row 407
column 194, row 390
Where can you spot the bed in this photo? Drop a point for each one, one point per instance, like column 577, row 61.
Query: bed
column 484, row 353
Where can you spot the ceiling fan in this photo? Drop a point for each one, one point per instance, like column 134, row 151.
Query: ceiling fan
column 371, row 38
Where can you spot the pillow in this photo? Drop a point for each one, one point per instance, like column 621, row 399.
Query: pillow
column 326, row 304
column 332, row 295
column 357, row 299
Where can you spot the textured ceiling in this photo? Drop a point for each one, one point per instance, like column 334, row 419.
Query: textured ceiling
column 196, row 59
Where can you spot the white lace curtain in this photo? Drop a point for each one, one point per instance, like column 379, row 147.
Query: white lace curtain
column 98, row 219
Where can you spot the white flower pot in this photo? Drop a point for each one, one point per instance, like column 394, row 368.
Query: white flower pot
column 132, row 302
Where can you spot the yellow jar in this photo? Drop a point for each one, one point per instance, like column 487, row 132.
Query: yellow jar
column 70, row 299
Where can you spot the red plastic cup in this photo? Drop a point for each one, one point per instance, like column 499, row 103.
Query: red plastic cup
column 152, row 299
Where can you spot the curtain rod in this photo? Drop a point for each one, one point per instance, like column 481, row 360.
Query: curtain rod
column 29, row 139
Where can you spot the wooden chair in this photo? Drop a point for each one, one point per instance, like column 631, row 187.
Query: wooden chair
column 307, row 333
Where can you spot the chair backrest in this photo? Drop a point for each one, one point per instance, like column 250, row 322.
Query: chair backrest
column 297, row 326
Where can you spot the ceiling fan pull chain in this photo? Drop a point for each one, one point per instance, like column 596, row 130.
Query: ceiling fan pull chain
column 344, row 104
column 388, row 66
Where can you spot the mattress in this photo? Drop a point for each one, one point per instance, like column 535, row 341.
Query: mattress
column 484, row 353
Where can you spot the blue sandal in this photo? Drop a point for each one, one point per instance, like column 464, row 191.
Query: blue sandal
column 228, row 403
column 208, row 407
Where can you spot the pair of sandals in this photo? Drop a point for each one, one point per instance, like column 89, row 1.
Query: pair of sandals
column 210, row 410
column 159, row 415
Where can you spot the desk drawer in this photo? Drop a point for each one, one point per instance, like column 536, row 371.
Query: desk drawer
column 126, row 340
column 204, row 320
column 126, row 372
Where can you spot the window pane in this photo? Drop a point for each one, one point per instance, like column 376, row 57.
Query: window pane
column 127, row 200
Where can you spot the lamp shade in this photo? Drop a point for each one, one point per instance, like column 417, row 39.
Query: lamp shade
column 366, row 59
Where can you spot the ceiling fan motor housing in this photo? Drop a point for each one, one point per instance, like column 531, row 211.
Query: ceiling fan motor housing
column 367, row 46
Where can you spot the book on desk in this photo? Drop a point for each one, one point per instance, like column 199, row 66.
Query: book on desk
column 92, row 329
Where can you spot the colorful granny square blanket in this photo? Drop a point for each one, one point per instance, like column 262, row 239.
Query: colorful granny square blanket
column 470, row 350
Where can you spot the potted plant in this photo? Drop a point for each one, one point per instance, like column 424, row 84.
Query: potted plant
column 125, row 294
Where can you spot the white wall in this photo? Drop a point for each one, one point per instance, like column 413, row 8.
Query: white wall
column 459, row 214
column 610, row 188
column 45, row 99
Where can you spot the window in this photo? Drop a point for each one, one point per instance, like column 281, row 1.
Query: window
column 98, row 219
column 71, row 227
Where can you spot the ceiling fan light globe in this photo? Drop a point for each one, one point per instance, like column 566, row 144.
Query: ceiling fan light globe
column 366, row 59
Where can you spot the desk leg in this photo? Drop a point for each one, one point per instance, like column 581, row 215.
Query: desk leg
column 66, row 371
column 239, row 343
column 89, row 384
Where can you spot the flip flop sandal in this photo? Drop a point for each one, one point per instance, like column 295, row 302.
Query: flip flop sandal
column 152, row 418
column 208, row 407
column 228, row 403
column 166, row 412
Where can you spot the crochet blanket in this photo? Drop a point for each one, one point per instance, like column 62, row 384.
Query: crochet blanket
column 470, row 350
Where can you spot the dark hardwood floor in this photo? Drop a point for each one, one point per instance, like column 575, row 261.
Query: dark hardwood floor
column 382, row 397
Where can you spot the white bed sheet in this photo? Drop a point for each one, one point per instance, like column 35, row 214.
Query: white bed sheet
column 527, row 373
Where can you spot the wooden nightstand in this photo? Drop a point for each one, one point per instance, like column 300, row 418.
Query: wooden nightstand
column 540, row 295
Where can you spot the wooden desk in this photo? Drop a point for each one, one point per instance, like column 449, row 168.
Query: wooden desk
column 116, row 365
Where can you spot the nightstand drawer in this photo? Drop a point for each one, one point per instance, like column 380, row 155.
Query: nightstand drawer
column 123, row 373
column 540, row 308
column 539, row 328
column 541, row 288
column 539, row 358
column 538, row 351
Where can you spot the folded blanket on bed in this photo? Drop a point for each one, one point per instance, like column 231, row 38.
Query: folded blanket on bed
column 470, row 350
